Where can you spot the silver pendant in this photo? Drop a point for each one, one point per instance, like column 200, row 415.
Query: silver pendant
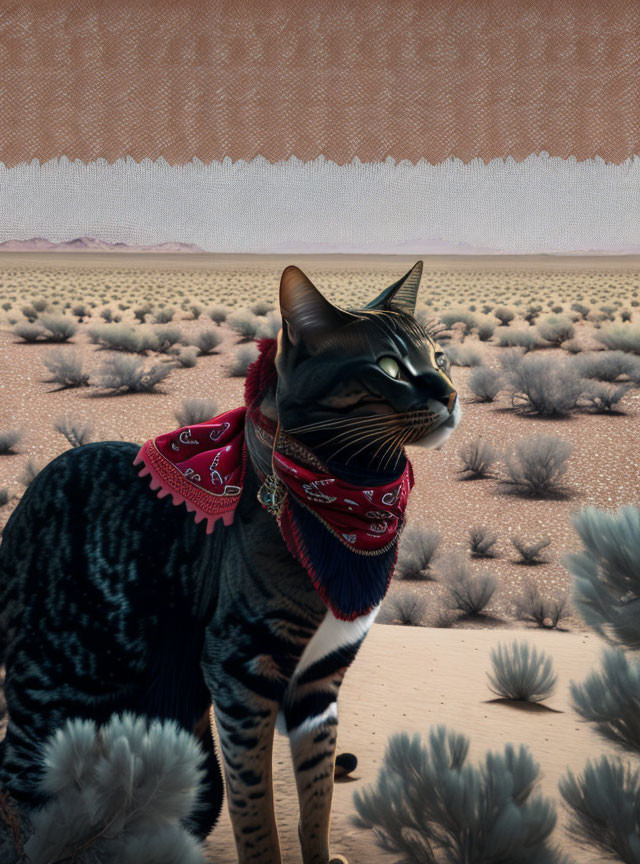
column 272, row 494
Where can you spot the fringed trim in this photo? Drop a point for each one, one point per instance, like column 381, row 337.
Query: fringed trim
column 154, row 465
column 261, row 375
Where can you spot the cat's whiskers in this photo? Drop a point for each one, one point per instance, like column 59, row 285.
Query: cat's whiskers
column 370, row 418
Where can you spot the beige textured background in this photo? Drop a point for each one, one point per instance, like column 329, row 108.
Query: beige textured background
column 407, row 79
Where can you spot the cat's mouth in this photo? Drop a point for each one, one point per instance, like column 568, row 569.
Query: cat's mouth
column 436, row 433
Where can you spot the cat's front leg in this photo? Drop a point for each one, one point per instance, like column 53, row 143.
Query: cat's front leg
column 313, row 750
column 245, row 716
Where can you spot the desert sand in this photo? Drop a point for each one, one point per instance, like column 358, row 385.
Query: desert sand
column 405, row 678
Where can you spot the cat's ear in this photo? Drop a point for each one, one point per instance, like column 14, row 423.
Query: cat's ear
column 402, row 293
column 306, row 315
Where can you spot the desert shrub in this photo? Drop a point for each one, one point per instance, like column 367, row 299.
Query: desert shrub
column 218, row 314
column 481, row 541
column 603, row 802
column 80, row 311
column 417, row 548
column 404, row 608
column 66, row 368
column 166, row 338
column 243, row 323
column 128, row 374
column 196, row 311
column 459, row 316
column 504, row 315
column 29, row 313
column 29, row 332
column 206, row 341
column 606, row 365
column 107, row 315
column 536, row 465
column 77, row 432
column 520, row 673
column 4, row 498
column 625, row 314
column 58, row 328
column 603, row 806
column 485, row 383
column 261, row 307
column 581, row 309
column 517, row 339
column 531, row 606
column 119, row 337
column 543, row 385
column 621, row 337
column 429, row 806
column 163, row 316
column 270, row 325
column 141, row 312
column 194, row 411
column 8, row 440
column 486, row 330
column 602, row 397
column 477, row 457
column 532, row 312
column 466, row 593
column 242, row 359
column 463, row 355
column 29, row 472
column 572, row 346
column 186, row 357
column 530, row 552
column 119, row 792
column 606, row 573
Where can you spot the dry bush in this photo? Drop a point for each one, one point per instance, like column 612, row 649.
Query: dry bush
column 601, row 397
column 536, row 465
column 404, row 608
column 518, row 339
column 477, row 457
column 545, row 386
column 66, row 368
column 466, row 593
column 127, row 374
column 556, row 329
column 120, row 337
column 485, row 383
column 504, row 315
column 194, row 411
column 520, row 673
column 531, row 606
column 481, row 541
column 4, row 498
column 261, row 307
column 530, row 552
column 606, row 365
column 244, row 323
column 621, row 337
column 463, row 355
column 30, row 471
column 8, row 440
column 416, row 550
column 206, row 341
column 486, row 330
column 163, row 316
column 77, row 432
column 166, row 338
column 218, row 314
column 242, row 359
column 29, row 332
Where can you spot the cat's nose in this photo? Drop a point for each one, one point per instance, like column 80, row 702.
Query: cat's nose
column 448, row 401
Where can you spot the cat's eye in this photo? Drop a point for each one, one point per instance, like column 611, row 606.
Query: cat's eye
column 390, row 366
column 441, row 360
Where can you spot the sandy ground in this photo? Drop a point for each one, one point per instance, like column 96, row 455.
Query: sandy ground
column 403, row 678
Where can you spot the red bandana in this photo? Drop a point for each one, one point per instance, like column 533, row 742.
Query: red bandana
column 204, row 465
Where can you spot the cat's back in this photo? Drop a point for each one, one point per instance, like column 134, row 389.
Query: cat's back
column 89, row 536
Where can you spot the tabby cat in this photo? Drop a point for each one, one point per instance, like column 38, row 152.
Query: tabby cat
column 113, row 599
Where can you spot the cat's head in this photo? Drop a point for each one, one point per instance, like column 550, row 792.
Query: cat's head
column 357, row 385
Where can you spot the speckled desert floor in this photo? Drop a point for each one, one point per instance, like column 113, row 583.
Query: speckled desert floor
column 603, row 470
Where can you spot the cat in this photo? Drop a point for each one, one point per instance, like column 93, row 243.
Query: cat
column 113, row 599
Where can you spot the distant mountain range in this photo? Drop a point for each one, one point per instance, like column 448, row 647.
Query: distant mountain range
column 90, row 244
column 406, row 247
